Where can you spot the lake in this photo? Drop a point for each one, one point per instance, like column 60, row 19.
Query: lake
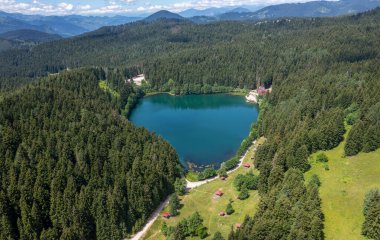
column 204, row 129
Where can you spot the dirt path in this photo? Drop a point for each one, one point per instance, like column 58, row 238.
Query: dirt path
column 151, row 220
column 189, row 185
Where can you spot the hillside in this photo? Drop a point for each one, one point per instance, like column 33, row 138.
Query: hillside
column 306, row 9
column 202, row 199
column 75, row 167
column 7, row 45
column 160, row 15
column 27, row 35
column 343, row 187
column 323, row 72
column 10, row 24
column 316, row 9
column 65, row 26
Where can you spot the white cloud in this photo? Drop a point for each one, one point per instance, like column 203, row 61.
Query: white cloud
column 66, row 6
column 84, row 7
column 123, row 6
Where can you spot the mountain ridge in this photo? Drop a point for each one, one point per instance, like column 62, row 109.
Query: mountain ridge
column 29, row 35
column 163, row 14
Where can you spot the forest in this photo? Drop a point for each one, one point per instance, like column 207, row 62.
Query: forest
column 324, row 73
column 71, row 167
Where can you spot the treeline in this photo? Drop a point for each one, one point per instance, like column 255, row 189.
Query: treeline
column 125, row 94
column 311, row 74
column 371, row 211
column 72, row 168
column 290, row 210
column 188, row 227
column 324, row 73
column 306, row 112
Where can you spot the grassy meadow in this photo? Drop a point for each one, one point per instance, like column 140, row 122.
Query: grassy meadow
column 104, row 86
column 343, row 188
column 202, row 199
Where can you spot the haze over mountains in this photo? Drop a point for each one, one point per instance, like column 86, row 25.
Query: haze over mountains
column 65, row 26
column 73, row 25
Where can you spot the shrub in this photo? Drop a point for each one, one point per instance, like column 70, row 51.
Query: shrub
column 322, row 158
column 230, row 164
column 326, row 166
column 218, row 236
column 164, row 229
column 207, row 173
column 174, row 205
column 371, row 211
column 315, row 180
column 244, row 193
column 180, row 186
column 222, row 172
column 249, row 180
column 229, row 209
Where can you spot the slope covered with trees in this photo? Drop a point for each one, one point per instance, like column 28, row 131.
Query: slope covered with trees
column 324, row 73
column 72, row 168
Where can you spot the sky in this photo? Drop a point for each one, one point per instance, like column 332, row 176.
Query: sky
column 124, row 7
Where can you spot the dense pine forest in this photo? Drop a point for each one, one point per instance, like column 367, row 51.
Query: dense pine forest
column 66, row 153
column 72, row 167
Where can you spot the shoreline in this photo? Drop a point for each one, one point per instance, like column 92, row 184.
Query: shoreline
column 189, row 185
column 252, row 97
column 231, row 93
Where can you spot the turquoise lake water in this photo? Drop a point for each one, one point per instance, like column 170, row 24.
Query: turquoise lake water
column 204, row 129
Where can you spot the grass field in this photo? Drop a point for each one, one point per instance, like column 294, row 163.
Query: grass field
column 202, row 199
column 343, row 189
column 104, row 86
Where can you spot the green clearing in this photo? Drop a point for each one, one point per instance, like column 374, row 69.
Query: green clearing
column 105, row 87
column 343, row 189
column 202, row 199
column 192, row 176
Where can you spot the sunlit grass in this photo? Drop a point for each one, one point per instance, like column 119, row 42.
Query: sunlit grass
column 104, row 86
column 343, row 189
column 202, row 199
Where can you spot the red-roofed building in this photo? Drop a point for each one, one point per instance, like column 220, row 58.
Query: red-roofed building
column 166, row 215
column 261, row 90
column 238, row 225
column 247, row 165
column 219, row 193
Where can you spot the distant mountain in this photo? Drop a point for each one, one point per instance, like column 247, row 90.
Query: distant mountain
column 24, row 39
column 317, row 9
column 72, row 25
column 9, row 24
column 307, row 9
column 163, row 15
column 28, row 35
column 208, row 12
column 66, row 26
column 203, row 19
column 239, row 10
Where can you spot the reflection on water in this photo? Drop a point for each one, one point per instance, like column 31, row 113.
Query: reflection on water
column 195, row 101
column 204, row 129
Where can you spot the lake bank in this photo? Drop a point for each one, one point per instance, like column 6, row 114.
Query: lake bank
column 201, row 198
column 205, row 130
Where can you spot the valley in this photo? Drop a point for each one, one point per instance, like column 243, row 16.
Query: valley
column 242, row 123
